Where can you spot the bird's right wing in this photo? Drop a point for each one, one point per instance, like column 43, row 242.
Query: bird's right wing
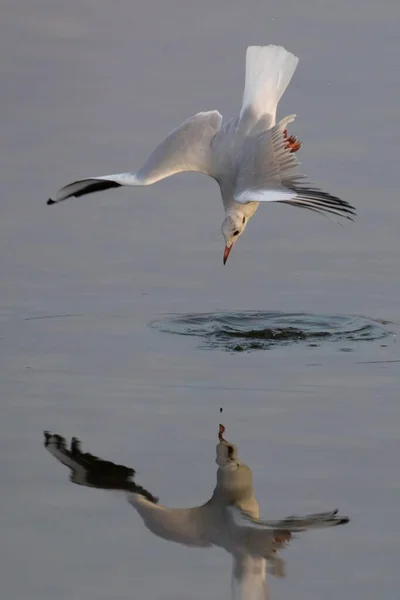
column 187, row 148
column 186, row 526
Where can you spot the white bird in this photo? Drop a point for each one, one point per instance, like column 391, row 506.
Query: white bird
column 250, row 156
column 230, row 519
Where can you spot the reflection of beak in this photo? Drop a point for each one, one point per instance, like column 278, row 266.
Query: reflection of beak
column 226, row 252
column 221, row 433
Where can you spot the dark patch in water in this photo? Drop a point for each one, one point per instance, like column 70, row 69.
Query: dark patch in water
column 246, row 331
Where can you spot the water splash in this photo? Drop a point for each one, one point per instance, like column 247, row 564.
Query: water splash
column 256, row 330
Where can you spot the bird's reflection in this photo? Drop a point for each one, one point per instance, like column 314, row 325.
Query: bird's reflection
column 90, row 470
column 230, row 519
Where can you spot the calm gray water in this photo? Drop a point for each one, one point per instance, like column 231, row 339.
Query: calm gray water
column 91, row 87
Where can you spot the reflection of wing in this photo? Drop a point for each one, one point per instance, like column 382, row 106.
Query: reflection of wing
column 260, row 537
column 91, row 471
column 249, row 578
column 293, row 524
column 186, row 526
column 187, row 148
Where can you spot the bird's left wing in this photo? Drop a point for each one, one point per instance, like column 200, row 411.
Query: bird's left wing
column 267, row 172
column 259, row 537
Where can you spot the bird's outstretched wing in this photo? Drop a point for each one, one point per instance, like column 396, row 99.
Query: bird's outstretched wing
column 187, row 148
column 186, row 526
column 267, row 172
column 259, row 537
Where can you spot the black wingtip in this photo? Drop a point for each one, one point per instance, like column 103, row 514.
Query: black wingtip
column 97, row 473
column 343, row 521
column 50, row 202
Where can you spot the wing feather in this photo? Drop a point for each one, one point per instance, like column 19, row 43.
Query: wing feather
column 249, row 578
column 187, row 148
column 267, row 172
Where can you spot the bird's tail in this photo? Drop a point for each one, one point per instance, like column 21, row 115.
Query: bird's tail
column 269, row 70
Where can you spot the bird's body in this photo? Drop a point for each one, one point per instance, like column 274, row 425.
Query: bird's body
column 250, row 156
column 230, row 519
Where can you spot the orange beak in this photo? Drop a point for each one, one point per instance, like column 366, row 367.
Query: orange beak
column 226, row 252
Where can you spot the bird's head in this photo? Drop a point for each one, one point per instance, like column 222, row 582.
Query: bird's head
column 227, row 454
column 232, row 228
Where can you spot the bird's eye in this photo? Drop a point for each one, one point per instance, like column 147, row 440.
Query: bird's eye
column 236, row 232
column 244, row 219
column 231, row 451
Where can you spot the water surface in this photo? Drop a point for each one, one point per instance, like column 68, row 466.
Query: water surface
column 89, row 88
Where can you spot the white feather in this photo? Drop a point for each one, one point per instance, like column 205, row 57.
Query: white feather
column 251, row 158
column 265, row 195
column 269, row 70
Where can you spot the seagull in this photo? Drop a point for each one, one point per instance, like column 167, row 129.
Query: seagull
column 230, row 519
column 252, row 158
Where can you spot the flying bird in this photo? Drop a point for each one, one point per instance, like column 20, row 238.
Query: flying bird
column 252, row 158
column 230, row 519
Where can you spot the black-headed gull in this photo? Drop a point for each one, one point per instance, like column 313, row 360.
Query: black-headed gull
column 230, row 519
column 251, row 157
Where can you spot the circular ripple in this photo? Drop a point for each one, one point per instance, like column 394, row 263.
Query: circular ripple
column 254, row 330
